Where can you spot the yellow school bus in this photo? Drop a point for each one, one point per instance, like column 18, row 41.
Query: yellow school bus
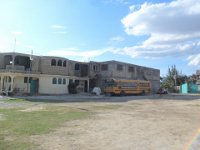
column 127, row 87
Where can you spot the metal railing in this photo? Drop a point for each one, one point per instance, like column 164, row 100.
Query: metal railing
column 19, row 71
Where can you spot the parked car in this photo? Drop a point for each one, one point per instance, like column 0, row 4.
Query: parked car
column 162, row 91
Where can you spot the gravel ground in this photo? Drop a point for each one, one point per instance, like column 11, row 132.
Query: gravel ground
column 167, row 122
column 136, row 125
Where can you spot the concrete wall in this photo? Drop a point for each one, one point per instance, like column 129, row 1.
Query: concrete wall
column 139, row 72
column 120, row 73
column 94, row 69
column 1, row 61
column 20, row 85
column 79, row 73
column 155, row 85
column 35, row 64
column 80, row 88
column 71, row 66
column 107, row 73
column 47, row 68
column 46, row 86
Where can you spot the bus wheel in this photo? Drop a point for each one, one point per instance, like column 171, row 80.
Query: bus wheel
column 112, row 94
column 122, row 93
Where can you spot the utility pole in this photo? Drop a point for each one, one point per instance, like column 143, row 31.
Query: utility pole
column 13, row 56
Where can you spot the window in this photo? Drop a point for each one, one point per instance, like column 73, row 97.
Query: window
column 95, row 68
column 53, row 62
column 77, row 67
column 119, row 67
column 64, row 64
column 59, row 81
column 104, row 67
column 140, row 70
column 130, row 69
column 26, row 79
column 149, row 72
column 59, row 62
column 64, row 81
column 76, row 82
column 9, row 79
column 54, row 81
column 70, row 81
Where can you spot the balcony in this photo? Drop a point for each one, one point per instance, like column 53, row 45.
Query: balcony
column 16, row 67
column 77, row 73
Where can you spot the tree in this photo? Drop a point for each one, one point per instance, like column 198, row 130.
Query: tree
column 173, row 78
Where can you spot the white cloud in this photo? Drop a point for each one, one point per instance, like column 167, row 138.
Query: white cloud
column 56, row 26
column 60, row 32
column 194, row 60
column 173, row 29
column 117, row 39
column 16, row 33
column 73, row 52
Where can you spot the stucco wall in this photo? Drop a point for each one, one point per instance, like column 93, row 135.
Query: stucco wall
column 46, row 68
column 71, row 66
column 35, row 64
column 92, row 73
column 46, row 86
column 20, row 85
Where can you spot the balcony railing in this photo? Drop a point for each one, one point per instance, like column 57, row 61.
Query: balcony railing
column 19, row 71
column 77, row 73
column 15, row 67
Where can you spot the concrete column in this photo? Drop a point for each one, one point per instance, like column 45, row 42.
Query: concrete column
column 88, row 86
column 135, row 71
column 1, row 84
column 12, row 84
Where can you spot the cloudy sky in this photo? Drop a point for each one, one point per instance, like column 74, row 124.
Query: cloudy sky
column 152, row 33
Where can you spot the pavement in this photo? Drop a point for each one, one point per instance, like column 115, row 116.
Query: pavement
column 104, row 98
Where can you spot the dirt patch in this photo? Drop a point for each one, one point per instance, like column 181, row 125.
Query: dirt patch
column 33, row 108
column 139, row 125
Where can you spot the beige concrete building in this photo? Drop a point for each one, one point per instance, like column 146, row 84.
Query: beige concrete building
column 26, row 74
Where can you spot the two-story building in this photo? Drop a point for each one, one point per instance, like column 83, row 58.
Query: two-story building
column 30, row 74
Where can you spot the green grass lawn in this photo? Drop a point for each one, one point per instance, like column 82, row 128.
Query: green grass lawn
column 16, row 126
column 15, row 100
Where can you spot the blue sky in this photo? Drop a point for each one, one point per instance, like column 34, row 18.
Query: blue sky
column 153, row 33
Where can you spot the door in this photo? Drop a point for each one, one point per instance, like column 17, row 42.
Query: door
column 34, row 87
